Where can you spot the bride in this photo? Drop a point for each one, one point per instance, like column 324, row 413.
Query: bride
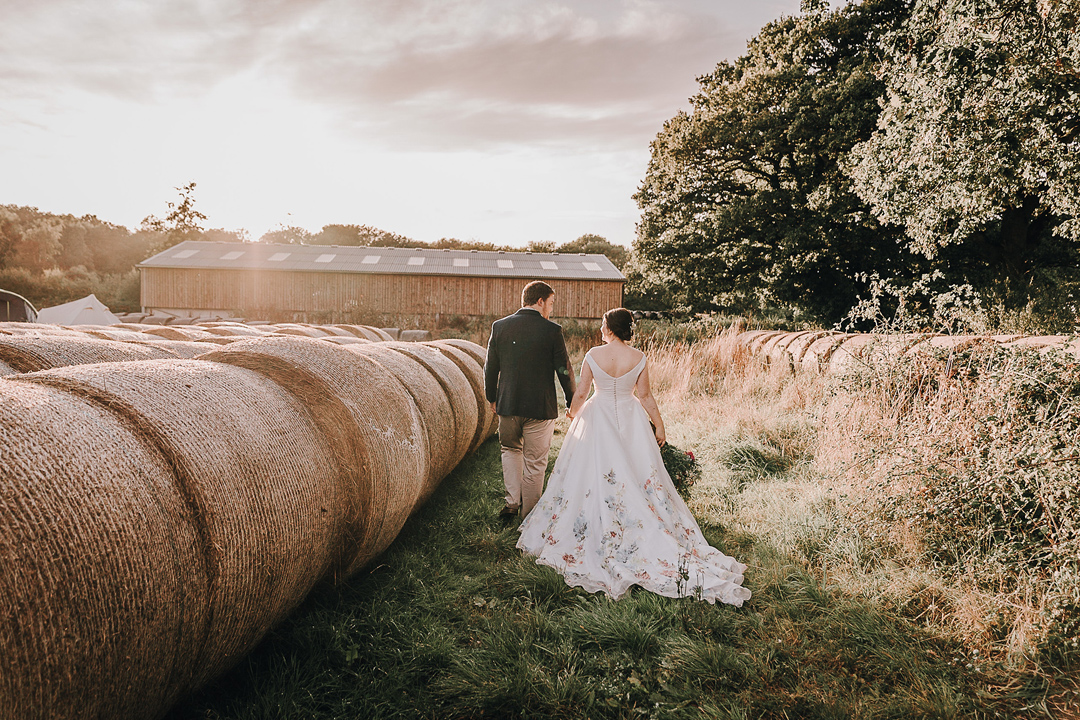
column 610, row 517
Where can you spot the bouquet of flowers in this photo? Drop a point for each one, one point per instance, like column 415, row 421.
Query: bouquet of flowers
column 682, row 466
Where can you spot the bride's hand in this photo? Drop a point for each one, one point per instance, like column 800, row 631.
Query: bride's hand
column 661, row 437
column 568, row 415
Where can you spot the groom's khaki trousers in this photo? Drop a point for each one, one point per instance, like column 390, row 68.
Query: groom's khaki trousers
column 525, row 445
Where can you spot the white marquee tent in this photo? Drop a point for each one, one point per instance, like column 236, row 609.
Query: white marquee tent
column 86, row 311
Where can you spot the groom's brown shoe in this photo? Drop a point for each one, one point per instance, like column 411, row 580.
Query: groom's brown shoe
column 508, row 512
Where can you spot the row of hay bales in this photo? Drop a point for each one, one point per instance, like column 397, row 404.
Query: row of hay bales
column 835, row 351
column 158, row 515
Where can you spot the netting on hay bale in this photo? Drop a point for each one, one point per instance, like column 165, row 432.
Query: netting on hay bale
column 345, row 340
column 40, row 329
column 471, row 432
column 366, row 332
column 119, row 334
column 158, row 518
column 178, row 332
column 6, row 369
column 470, row 358
column 436, row 411
column 185, row 349
column 28, row 353
column 368, row 417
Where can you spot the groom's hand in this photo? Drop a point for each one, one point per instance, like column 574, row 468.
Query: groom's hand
column 493, row 409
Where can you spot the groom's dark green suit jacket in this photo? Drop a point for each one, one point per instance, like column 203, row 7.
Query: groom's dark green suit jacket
column 525, row 353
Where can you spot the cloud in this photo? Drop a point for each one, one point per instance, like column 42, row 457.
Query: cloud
column 432, row 74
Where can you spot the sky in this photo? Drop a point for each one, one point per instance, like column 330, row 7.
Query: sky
column 502, row 121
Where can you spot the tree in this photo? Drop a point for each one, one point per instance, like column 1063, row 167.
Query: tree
column 597, row 245
column 744, row 204
column 977, row 155
column 183, row 222
column 287, row 235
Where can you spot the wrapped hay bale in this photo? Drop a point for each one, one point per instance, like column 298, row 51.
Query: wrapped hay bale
column 436, row 411
column 444, row 396
column 28, row 353
column 365, row 332
column 38, row 330
column 120, row 335
column 370, row 421
column 186, row 349
column 415, row 335
column 474, row 371
column 299, row 329
column 457, row 387
column 159, row 518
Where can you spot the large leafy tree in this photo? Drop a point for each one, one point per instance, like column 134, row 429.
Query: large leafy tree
column 978, row 152
column 744, row 203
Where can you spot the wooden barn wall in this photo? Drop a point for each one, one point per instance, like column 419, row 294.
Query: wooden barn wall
column 248, row 292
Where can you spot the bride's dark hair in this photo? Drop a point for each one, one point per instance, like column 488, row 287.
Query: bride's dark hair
column 621, row 323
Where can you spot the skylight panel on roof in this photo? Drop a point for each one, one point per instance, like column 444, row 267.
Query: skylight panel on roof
column 461, row 262
column 232, row 255
column 278, row 257
column 325, row 258
column 184, row 254
column 506, row 264
column 548, row 265
column 592, row 267
column 369, row 259
column 416, row 261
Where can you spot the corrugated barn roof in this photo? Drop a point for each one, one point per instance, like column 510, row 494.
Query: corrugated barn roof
column 384, row 261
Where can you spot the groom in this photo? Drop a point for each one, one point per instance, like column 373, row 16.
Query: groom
column 525, row 352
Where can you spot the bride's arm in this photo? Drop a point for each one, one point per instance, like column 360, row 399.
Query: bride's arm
column 644, row 394
column 582, row 392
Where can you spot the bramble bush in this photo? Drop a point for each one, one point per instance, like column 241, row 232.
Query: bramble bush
column 999, row 498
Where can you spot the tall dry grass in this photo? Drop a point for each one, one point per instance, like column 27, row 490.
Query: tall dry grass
column 846, row 472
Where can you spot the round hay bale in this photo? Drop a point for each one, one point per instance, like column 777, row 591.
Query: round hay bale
column 487, row 420
column 445, row 447
column 362, row 331
column 380, row 334
column 798, row 345
column 457, row 387
column 298, row 332
column 393, row 332
column 816, row 355
column 40, row 330
column 853, row 352
column 478, row 353
column 185, row 349
column 6, row 369
column 28, row 353
column 171, row 512
column 415, row 336
column 345, row 340
column 367, row 416
column 180, row 332
column 333, row 330
column 300, row 329
column 120, row 335
column 748, row 336
column 774, row 347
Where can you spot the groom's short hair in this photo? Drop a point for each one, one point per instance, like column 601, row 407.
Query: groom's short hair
column 534, row 292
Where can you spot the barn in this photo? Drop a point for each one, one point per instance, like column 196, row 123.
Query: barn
column 341, row 284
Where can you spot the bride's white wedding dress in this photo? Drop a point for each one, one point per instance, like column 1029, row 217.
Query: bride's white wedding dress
column 611, row 518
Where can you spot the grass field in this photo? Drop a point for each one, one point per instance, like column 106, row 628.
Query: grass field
column 852, row 616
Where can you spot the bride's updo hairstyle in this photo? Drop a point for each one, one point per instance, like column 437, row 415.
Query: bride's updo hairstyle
column 621, row 323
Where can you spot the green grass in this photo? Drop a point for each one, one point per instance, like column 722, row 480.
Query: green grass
column 452, row 622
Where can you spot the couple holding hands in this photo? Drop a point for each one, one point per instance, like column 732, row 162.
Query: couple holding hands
column 610, row 517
